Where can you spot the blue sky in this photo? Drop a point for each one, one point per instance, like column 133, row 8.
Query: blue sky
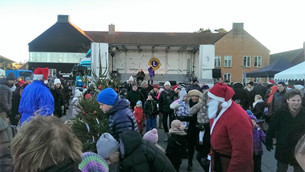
column 277, row 24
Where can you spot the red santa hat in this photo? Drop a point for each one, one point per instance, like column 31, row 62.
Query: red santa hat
column 174, row 87
column 222, row 93
column 41, row 73
column 271, row 82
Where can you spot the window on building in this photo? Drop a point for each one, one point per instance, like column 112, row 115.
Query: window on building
column 227, row 77
column 247, row 61
column 52, row 72
column 217, row 62
column 228, row 61
column 55, row 57
column 245, row 79
column 257, row 61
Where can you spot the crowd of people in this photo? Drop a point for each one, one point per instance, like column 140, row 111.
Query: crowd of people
column 224, row 127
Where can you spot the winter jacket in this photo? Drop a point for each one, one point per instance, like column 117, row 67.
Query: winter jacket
column 278, row 101
column 258, row 138
column 59, row 100
column 201, row 109
column 176, row 146
column 232, row 140
column 250, row 96
column 258, row 109
column 6, row 135
column 165, row 99
column 151, row 72
column 5, row 96
column 36, row 96
column 145, row 91
column 138, row 114
column 241, row 95
column 133, row 97
column 154, row 95
column 140, row 155
column 75, row 109
column 287, row 131
column 140, row 75
column 150, row 109
column 121, row 118
column 259, row 89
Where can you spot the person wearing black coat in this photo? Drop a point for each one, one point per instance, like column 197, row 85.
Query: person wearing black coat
column 287, row 126
column 142, row 155
column 150, row 111
column 133, row 153
column 241, row 95
column 134, row 95
column 146, row 88
column 177, row 144
column 59, row 98
column 140, row 76
column 165, row 99
column 259, row 89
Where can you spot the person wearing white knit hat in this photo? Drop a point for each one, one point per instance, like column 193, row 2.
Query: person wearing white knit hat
column 231, row 132
column 59, row 98
column 165, row 99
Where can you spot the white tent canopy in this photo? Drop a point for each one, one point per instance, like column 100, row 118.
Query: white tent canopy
column 296, row 72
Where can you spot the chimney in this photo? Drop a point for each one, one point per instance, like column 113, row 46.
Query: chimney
column 63, row 18
column 111, row 29
column 237, row 27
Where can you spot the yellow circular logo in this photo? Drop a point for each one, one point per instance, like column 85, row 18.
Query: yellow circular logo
column 155, row 63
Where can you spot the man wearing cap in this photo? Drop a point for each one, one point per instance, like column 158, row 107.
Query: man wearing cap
column 194, row 85
column 36, row 98
column 121, row 118
column 165, row 99
column 231, row 132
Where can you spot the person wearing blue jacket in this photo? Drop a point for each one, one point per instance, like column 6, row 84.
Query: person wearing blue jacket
column 36, row 98
column 121, row 118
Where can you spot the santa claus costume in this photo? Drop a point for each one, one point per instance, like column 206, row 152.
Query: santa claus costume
column 36, row 98
column 231, row 133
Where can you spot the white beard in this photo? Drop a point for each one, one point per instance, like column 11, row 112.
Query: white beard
column 212, row 108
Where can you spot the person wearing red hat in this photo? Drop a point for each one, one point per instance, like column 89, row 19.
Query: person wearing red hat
column 36, row 98
column 231, row 132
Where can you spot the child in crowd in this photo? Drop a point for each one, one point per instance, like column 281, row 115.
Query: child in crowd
column 152, row 136
column 182, row 108
column 259, row 106
column 150, row 112
column 258, row 138
column 177, row 145
column 138, row 114
column 132, row 153
column 74, row 103
column 92, row 162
